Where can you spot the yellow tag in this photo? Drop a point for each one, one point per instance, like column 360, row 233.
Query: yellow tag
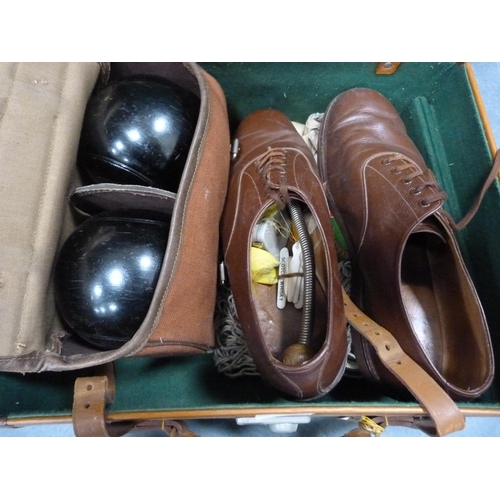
column 369, row 425
column 270, row 212
column 264, row 266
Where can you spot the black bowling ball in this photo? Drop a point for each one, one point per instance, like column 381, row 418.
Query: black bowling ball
column 106, row 274
column 138, row 130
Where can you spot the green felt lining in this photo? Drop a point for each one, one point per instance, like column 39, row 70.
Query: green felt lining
column 435, row 101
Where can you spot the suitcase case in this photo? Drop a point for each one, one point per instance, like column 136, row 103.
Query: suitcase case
column 442, row 109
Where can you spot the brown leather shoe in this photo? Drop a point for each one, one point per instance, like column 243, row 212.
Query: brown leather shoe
column 408, row 273
column 274, row 169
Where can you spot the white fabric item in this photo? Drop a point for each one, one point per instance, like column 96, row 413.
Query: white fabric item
column 310, row 131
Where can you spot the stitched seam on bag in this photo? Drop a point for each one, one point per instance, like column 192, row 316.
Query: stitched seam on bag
column 121, row 191
column 9, row 95
column 147, row 196
column 177, row 343
column 143, row 195
column 183, row 218
column 42, row 199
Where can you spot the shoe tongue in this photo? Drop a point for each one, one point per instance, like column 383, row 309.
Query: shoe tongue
column 429, row 225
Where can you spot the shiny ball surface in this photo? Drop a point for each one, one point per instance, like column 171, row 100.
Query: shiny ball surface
column 138, row 130
column 106, row 274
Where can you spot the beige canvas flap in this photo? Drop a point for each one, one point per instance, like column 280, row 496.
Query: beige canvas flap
column 41, row 110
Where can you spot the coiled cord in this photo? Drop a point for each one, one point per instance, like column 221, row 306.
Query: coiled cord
column 299, row 353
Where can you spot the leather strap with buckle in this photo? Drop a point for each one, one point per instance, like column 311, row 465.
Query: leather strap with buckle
column 445, row 416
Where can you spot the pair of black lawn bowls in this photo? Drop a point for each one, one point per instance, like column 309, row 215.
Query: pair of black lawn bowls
column 136, row 131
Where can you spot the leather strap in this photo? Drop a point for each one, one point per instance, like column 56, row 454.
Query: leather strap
column 358, row 432
column 424, row 423
column 386, row 68
column 495, row 169
column 173, row 428
column 445, row 417
column 91, row 396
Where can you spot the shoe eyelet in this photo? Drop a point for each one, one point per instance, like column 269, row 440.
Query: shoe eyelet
column 396, row 171
column 415, row 191
column 386, row 161
column 424, row 203
column 406, row 181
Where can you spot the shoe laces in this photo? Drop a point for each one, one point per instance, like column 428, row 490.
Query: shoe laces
column 436, row 194
column 271, row 168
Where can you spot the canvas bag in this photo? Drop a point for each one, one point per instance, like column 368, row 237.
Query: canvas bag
column 41, row 112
